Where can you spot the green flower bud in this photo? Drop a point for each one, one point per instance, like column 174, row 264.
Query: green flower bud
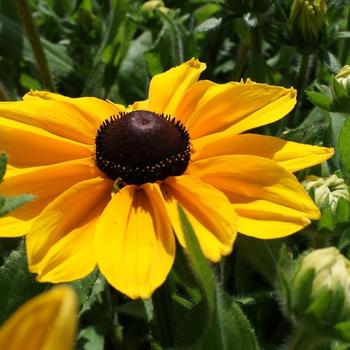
column 317, row 293
column 326, row 190
column 343, row 76
column 308, row 24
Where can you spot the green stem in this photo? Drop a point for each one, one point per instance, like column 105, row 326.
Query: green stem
column 346, row 46
column 163, row 315
column 3, row 94
column 26, row 17
column 256, row 40
column 241, row 55
column 303, row 73
column 302, row 340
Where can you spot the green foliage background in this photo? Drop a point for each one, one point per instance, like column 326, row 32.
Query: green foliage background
column 110, row 49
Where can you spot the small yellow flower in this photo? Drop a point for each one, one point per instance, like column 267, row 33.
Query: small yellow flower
column 46, row 322
column 108, row 178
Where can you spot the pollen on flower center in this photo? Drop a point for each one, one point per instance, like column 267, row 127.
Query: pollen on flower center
column 142, row 146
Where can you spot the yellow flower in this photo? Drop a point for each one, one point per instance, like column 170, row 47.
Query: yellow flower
column 108, row 178
column 46, row 322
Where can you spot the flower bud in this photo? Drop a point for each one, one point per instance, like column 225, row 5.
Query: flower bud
column 343, row 76
column 152, row 5
column 308, row 23
column 317, row 293
column 326, row 190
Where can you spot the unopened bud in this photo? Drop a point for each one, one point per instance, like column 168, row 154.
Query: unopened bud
column 317, row 290
column 308, row 23
column 343, row 76
column 152, row 5
column 326, row 190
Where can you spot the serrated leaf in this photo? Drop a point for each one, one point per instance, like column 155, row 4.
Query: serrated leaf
column 209, row 24
column 311, row 134
column 343, row 147
column 88, row 289
column 17, row 285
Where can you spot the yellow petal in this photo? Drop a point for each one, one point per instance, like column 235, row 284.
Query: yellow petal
column 292, row 156
column 60, row 117
column 45, row 183
column 134, row 242
column 138, row 105
column 236, row 107
column 209, row 211
column 28, row 145
column 262, row 192
column 92, row 107
column 64, row 231
column 167, row 89
column 46, row 322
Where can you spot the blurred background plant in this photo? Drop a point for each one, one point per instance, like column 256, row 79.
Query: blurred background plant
column 110, row 49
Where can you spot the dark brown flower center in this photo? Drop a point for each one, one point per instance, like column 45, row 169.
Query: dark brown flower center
column 142, row 146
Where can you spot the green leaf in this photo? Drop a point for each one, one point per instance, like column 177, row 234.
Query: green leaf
column 169, row 47
column 342, row 330
column 260, row 254
column 319, row 99
column 330, row 61
column 3, row 164
column 326, row 222
column 17, row 285
column 311, row 134
column 230, row 327
column 191, row 330
column 135, row 309
column 320, row 304
column 343, row 147
column 8, row 204
column 342, row 214
column 302, row 291
column 133, row 68
column 88, row 290
column 91, row 339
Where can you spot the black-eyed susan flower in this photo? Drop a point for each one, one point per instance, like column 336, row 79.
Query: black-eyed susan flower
column 108, row 178
column 48, row 321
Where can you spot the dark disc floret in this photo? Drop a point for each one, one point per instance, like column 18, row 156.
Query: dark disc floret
column 142, row 146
